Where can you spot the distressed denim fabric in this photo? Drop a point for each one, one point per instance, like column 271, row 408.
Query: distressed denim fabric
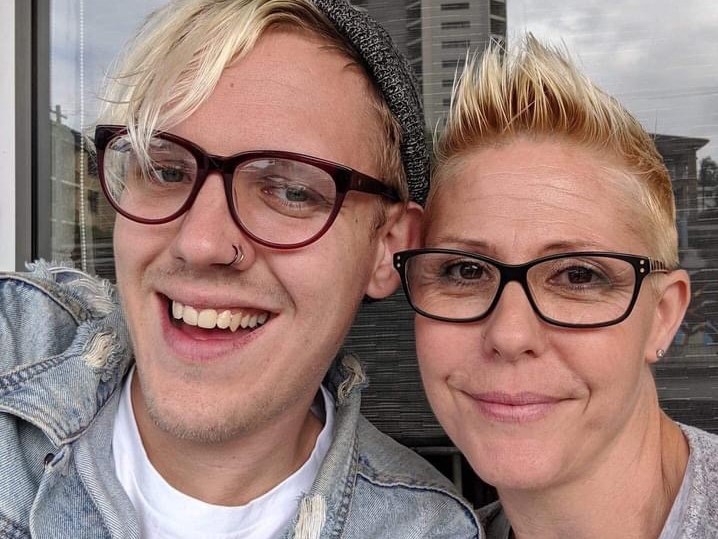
column 64, row 350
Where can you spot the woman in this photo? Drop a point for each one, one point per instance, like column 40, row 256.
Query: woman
column 548, row 287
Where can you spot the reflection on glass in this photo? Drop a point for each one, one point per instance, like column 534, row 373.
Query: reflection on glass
column 657, row 56
column 85, row 37
column 662, row 68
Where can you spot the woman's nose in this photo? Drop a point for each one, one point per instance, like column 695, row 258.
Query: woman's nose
column 513, row 330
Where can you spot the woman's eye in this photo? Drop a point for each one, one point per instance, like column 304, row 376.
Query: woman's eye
column 465, row 271
column 580, row 275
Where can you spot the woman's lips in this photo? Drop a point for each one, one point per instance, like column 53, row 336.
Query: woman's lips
column 514, row 407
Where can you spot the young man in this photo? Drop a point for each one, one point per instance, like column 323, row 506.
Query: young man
column 221, row 409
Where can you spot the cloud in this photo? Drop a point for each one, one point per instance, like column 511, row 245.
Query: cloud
column 659, row 57
column 106, row 27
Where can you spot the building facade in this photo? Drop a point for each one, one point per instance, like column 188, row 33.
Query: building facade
column 436, row 36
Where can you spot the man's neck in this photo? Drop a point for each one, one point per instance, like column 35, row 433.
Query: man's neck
column 628, row 494
column 234, row 472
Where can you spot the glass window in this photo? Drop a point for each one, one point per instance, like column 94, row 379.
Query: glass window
column 453, row 6
column 498, row 26
column 456, row 44
column 498, row 8
column 662, row 67
column 84, row 39
column 454, row 25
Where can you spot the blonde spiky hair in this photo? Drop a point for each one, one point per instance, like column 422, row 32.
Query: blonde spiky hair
column 536, row 91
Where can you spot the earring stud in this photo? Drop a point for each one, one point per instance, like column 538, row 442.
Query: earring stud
column 660, row 353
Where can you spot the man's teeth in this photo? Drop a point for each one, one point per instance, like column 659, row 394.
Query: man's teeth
column 210, row 318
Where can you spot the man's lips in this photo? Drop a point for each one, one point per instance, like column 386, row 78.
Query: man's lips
column 205, row 334
column 517, row 407
column 208, row 318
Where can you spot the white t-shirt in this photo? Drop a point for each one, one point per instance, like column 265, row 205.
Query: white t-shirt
column 165, row 512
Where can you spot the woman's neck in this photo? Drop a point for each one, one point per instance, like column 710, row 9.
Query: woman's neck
column 628, row 493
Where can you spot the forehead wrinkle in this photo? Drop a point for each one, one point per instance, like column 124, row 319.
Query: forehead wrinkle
column 548, row 225
column 561, row 199
column 540, row 201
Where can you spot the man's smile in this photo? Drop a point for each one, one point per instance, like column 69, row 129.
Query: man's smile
column 213, row 318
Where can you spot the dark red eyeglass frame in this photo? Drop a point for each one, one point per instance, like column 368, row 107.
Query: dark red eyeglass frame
column 346, row 179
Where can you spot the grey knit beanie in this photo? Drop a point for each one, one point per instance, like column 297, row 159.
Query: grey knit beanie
column 395, row 79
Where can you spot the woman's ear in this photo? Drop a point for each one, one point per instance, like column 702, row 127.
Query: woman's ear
column 674, row 295
column 401, row 230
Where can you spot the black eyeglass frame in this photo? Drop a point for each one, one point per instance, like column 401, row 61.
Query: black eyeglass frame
column 642, row 266
column 345, row 178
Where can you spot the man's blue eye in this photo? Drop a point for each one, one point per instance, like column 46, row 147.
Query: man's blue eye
column 296, row 194
column 171, row 175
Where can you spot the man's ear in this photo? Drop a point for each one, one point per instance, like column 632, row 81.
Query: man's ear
column 674, row 295
column 400, row 231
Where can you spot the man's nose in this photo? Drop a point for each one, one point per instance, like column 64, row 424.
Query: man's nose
column 207, row 230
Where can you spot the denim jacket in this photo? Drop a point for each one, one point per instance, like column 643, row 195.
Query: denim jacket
column 64, row 349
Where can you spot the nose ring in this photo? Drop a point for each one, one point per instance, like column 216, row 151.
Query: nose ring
column 238, row 256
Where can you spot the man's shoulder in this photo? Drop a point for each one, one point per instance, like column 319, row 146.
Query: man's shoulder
column 49, row 394
column 395, row 477
column 383, row 459
column 40, row 311
column 64, row 348
column 79, row 294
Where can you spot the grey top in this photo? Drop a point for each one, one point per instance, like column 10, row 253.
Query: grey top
column 694, row 514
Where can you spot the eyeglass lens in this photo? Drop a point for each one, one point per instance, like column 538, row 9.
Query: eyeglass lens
column 279, row 200
column 570, row 290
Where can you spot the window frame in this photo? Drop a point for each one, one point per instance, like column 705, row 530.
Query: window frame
column 33, row 137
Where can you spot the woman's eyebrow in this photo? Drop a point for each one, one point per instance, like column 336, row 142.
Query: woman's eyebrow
column 468, row 244
column 490, row 249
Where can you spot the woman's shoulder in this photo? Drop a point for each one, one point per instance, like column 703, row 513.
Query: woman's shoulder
column 703, row 444
column 703, row 495
column 494, row 521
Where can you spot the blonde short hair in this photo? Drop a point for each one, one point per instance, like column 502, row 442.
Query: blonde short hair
column 177, row 57
column 537, row 91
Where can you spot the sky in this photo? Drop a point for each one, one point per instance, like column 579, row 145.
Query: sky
column 659, row 57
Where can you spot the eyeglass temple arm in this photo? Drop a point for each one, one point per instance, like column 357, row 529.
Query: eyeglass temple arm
column 656, row 266
column 367, row 184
